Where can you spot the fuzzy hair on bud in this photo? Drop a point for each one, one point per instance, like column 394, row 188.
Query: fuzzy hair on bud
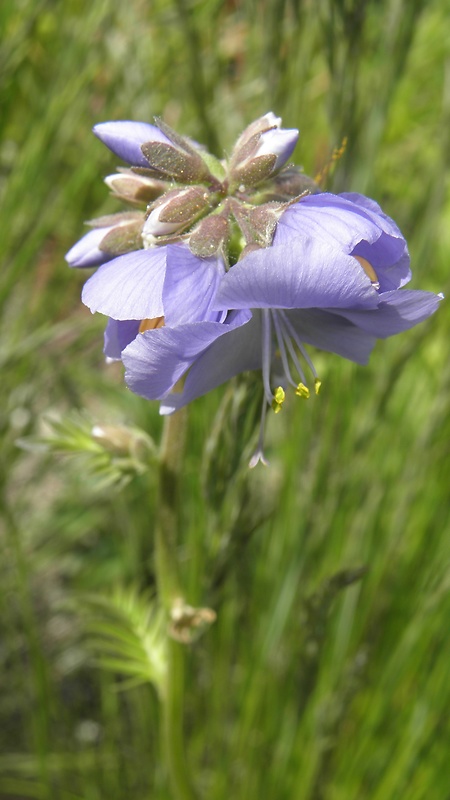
column 176, row 211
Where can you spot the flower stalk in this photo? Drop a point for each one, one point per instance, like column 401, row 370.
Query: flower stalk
column 170, row 462
column 170, row 593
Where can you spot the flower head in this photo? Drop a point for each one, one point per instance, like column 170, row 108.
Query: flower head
column 239, row 266
column 310, row 287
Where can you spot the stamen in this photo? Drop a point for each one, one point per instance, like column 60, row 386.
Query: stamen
column 258, row 455
column 293, row 354
column 266, row 354
column 151, row 324
column 369, row 270
column 299, row 343
column 278, row 399
column 302, row 391
column 286, row 342
column 281, row 340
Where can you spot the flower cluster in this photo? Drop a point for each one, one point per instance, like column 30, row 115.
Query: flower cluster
column 227, row 266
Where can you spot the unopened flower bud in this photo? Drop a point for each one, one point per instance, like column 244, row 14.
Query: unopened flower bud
column 111, row 236
column 209, row 235
column 125, row 138
column 176, row 159
column 261, row 151
column 176, row 210
column 280, row 142
column 170, row 163
column 124, row 235
column 260, row 125
column 136, row 189
column 123, row 238
column 86, row 252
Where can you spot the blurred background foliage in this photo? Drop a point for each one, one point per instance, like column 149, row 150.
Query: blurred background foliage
column 326, row 675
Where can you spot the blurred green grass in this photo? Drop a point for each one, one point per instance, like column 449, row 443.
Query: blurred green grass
column 306, row 687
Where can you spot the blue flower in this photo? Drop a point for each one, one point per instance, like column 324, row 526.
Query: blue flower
column 313, row 268
column 330, row 279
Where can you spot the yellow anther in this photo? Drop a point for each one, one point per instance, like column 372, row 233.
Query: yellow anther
column 278, row 399
column 302, row 391
column 317, row 385
column 369, row 270
column 151, row 324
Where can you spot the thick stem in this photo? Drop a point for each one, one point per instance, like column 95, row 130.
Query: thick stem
column 170, row 465
column 169, row 589
column 173, row 738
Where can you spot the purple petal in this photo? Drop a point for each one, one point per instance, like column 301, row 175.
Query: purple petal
column 374, row 212
column 86, row 252
column 398, row 311
column 390, row 260
column 348, row 218
column 333, row 333
column 303, row 273
column 125, row 138
column 329, row 217
column 129, row 287
column 238, row 351
column 279, row 141
column 156, row 359
column 358, row 225
column 389, row 254
column 190, row 286
column 118, row 335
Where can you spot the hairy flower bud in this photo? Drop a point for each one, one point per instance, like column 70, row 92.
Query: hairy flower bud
column 175, row 211
column 125, row 138
column 209, row 235
column 256, row 127
column 123, row 238
column 176, row 159
column 261, row 151
column 170, row 163
column 86, row 252
column 279, row 142
column 135, row 189
column 111, row 236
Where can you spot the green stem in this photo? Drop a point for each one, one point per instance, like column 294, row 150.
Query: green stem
column 170, row 464
column 169, row 589
column 173, row 738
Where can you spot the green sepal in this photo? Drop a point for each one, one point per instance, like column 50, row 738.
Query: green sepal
column 123, row 239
